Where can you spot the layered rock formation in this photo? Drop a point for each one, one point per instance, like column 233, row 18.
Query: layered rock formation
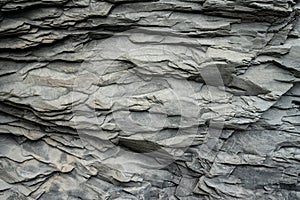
column 149, row 99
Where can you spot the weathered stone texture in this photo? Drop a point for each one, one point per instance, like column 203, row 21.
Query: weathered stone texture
column 149, row 99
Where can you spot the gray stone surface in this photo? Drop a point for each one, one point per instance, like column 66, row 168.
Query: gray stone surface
column 149, row 99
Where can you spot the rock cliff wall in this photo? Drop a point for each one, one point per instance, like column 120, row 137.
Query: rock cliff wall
column 149, row 99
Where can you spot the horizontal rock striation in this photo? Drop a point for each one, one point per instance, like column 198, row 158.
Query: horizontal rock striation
column 149, row 99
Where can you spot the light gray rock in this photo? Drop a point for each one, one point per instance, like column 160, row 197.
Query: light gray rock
column 164, row 99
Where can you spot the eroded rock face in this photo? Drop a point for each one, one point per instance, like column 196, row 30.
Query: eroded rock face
column 149, row 99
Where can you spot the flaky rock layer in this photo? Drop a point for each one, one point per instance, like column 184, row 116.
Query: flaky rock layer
column 149, row 99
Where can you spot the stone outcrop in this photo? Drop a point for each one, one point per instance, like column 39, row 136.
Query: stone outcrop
column 149, row 99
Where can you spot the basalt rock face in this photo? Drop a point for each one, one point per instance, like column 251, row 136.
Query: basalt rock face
column 149, row 99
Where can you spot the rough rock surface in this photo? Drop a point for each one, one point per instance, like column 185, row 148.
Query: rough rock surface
column 149, row 99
